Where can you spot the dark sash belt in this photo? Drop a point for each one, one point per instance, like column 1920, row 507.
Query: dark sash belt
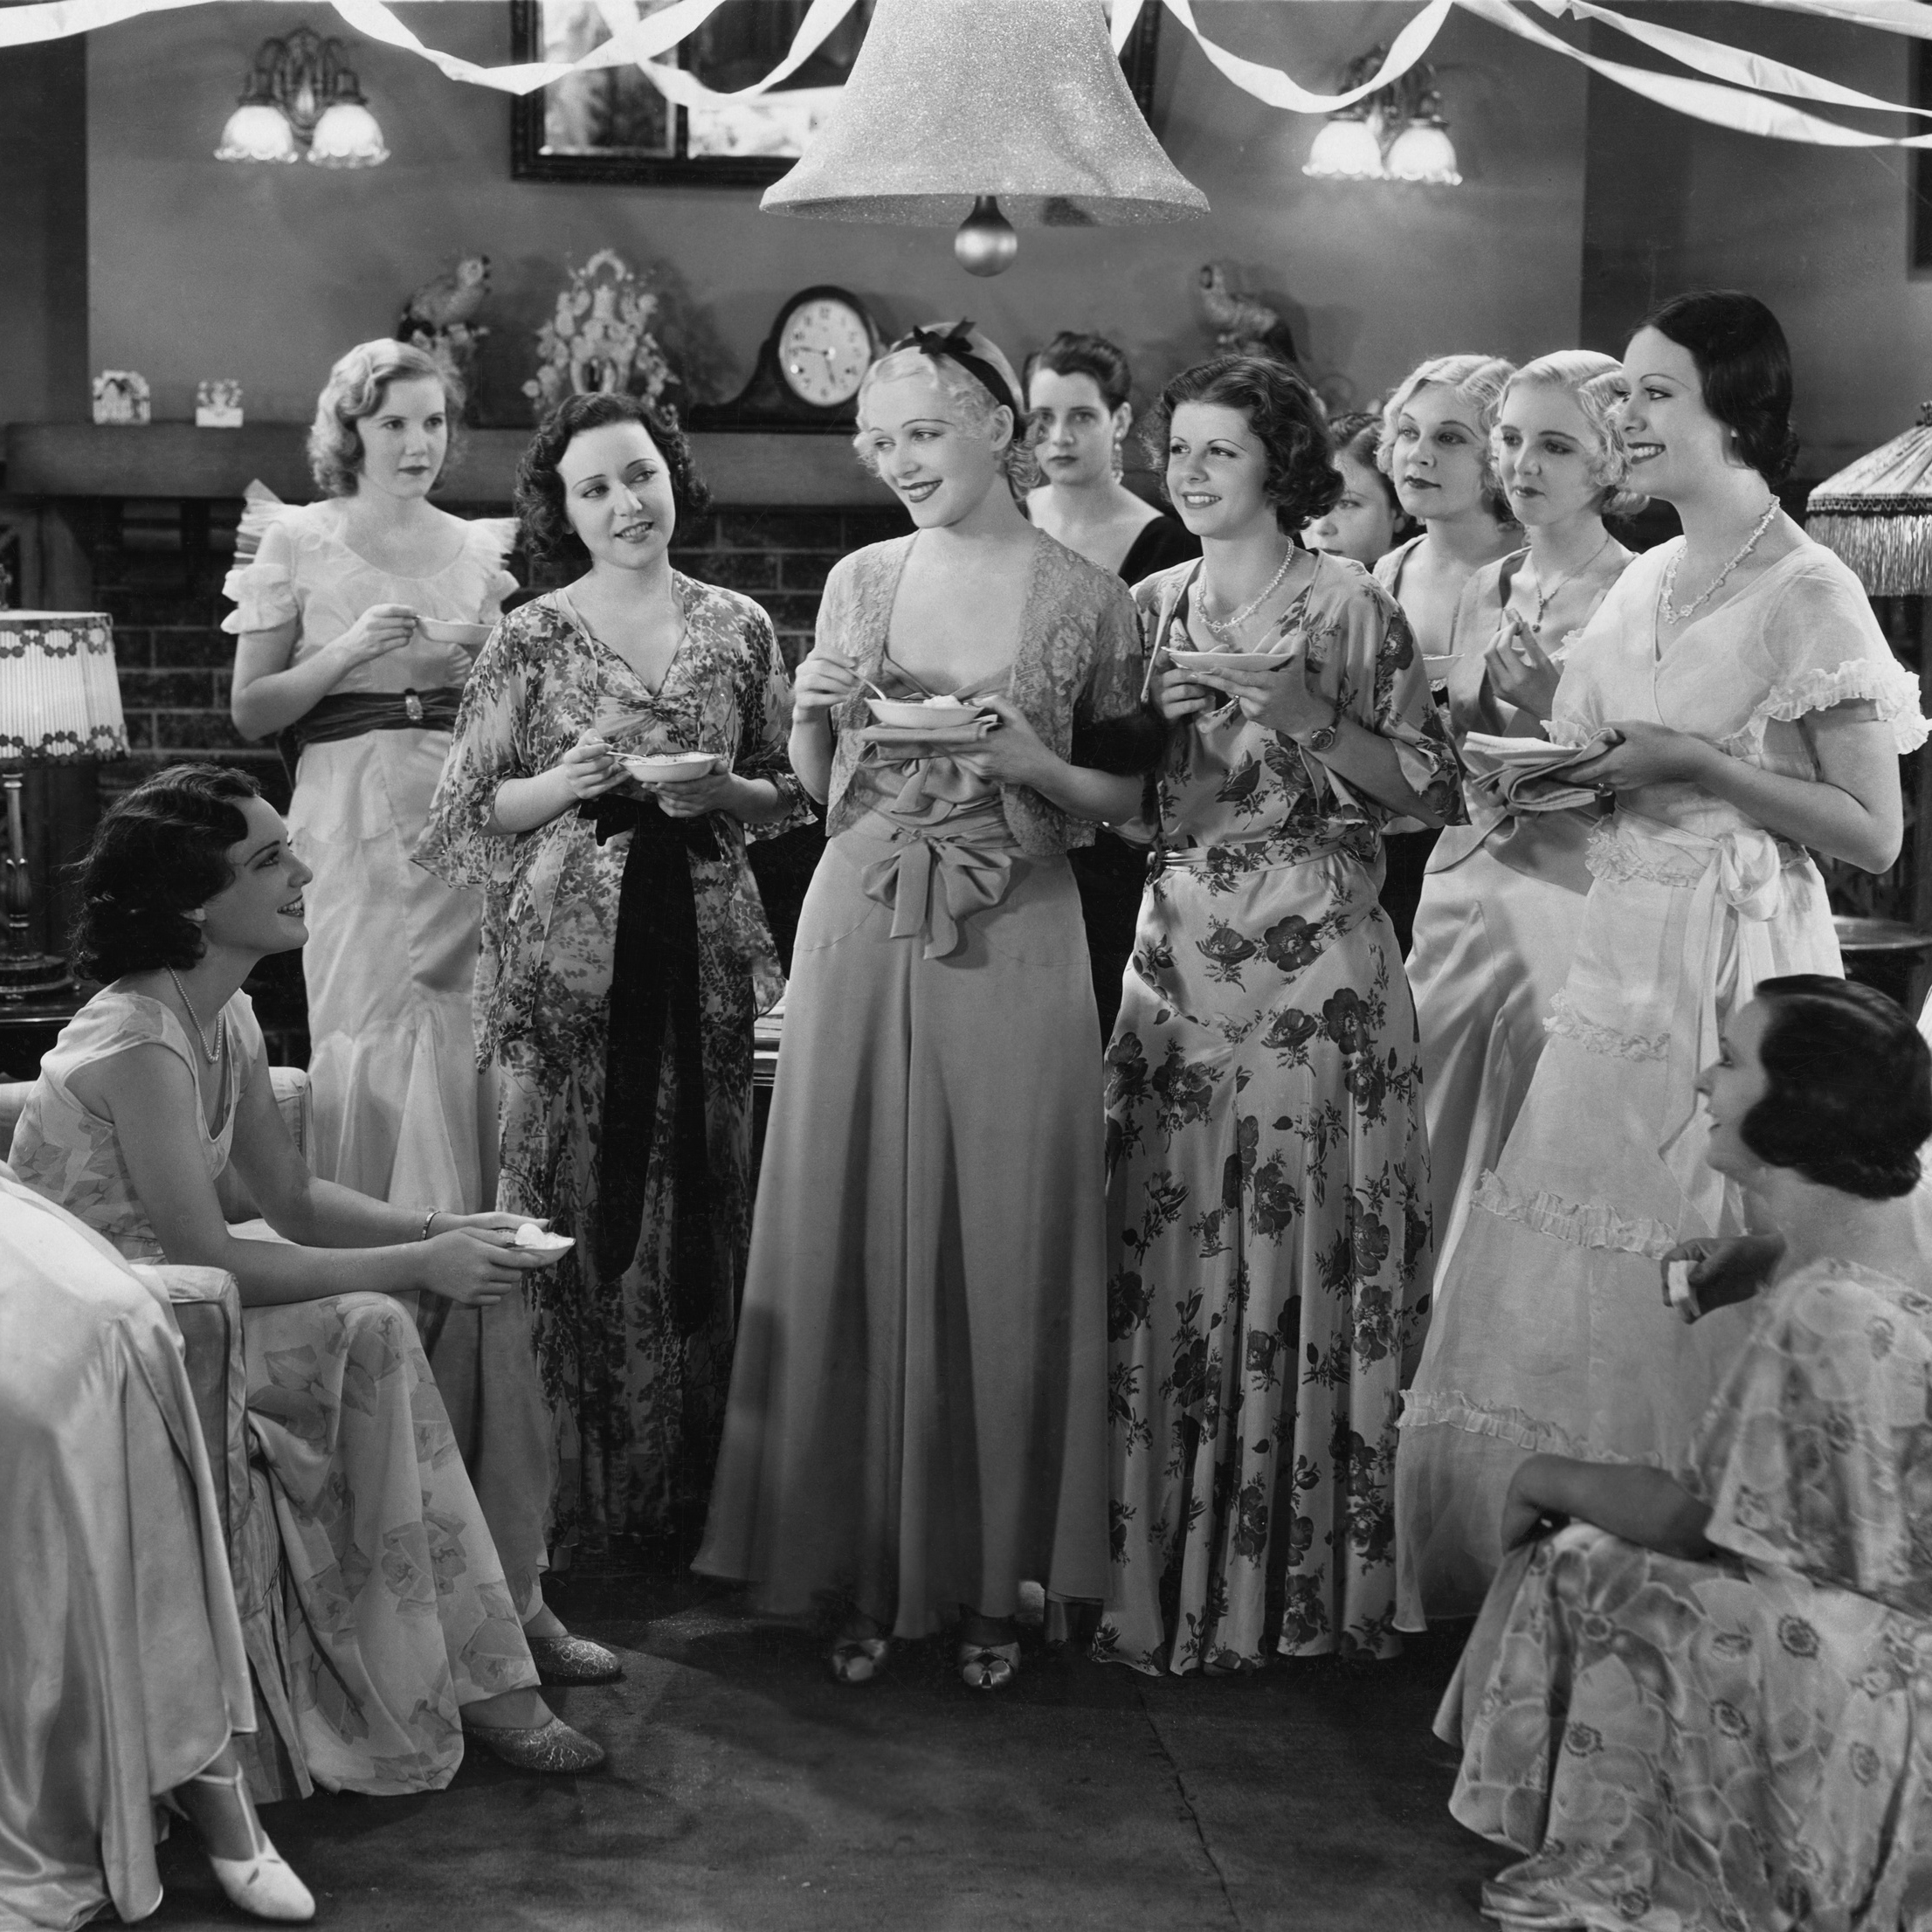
column 349, row 714
column 654, row 985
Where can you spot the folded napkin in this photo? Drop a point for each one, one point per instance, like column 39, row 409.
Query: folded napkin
column 904, row 737
column 1528, row 774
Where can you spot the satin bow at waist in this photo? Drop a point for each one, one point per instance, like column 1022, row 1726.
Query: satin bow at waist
column 934, row 881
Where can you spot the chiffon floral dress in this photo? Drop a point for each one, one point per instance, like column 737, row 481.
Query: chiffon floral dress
column 1745, row 1742
column 635, row 1384
column 1268, row 1178
column 394, row 1612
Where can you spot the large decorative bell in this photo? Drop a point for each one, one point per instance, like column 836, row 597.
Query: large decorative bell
column 997, row 110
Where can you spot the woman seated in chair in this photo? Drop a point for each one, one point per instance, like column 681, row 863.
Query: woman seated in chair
column 122, row 1677
column 1706, row 1699
column 400, row 1634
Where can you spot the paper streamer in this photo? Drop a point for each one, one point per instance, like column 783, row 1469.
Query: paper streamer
column 1737, row 95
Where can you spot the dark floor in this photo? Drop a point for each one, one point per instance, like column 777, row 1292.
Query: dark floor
column 747, row 1792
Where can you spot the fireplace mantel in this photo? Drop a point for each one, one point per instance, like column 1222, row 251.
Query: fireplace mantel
column 745, row 469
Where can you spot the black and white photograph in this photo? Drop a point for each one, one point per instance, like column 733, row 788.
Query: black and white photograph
column 966, row 965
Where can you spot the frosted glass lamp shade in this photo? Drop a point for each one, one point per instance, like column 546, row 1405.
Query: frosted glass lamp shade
column 59, row 699
column 1423, row 152
column 347, row 137
column 951, row 100
column 1345, row 150
column 258, row 130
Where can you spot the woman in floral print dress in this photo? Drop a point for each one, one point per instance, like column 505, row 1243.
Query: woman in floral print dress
column 633, row 1329
column 1268, row 1190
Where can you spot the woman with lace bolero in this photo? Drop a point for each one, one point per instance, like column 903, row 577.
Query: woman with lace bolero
column 1747, row 708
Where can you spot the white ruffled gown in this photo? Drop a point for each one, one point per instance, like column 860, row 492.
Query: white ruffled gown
column 1549, row 1332
column 392, row 950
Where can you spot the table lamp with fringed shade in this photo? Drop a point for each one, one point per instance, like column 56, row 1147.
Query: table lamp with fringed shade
column 59, row 705
column 1001, row 111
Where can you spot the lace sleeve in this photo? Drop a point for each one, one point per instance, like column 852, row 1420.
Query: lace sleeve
column 487, row 747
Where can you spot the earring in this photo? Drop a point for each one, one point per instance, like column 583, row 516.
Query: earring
column 199, row 914
column 1118, row 461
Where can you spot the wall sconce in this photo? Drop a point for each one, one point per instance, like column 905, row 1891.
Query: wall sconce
column 1396, row 134
column 301, row 100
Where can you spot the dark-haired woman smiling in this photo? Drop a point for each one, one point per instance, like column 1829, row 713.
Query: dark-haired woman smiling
column 625, row 951
column 1267, row 1188
column 1743, row 710
column 1696, row 1695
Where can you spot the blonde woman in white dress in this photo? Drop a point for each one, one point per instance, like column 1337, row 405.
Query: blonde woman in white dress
column 1503, row 895
column 1748, row 713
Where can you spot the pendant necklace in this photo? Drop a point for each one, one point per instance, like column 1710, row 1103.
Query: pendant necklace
column 211, row 1054
column 1716, row 583
column 1545, row 599
column 1225, row 627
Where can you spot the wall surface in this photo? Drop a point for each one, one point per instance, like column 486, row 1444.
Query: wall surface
column 1822, row 234
column 202, row 269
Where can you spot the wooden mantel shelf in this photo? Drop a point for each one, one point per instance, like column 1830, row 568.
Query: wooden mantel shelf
column 745, row 469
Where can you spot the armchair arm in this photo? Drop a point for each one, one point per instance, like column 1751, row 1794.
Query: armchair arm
column 207, row 1308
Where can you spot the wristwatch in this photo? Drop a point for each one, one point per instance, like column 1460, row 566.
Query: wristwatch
column 1323, row 736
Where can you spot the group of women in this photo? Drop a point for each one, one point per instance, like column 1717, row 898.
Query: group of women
column 1282, row 1331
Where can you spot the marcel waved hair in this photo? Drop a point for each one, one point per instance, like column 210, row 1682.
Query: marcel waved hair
column 1849, row 1103
column 1478, row 381
column 1301, row 480
column 1595, row 381
column 978, row 409
column 354, row 391
column 538, row 492
column 1743, row 369
column 160, row 852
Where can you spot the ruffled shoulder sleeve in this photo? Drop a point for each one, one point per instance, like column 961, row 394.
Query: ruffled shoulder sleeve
column 1363, row 656
column 261, row 585
column 1816, row 1453
column 1824, row 648
column 491, row 539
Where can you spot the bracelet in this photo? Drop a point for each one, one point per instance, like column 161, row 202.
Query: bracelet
column 427, row 1218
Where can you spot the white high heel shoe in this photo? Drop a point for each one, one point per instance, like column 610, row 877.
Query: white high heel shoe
column 263, row 1883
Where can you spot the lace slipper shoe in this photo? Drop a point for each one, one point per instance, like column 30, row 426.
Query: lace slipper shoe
column 553, row 1747
column 859, row 1659
column 262, row 1883
column 988, row 1667
column 570, row 1660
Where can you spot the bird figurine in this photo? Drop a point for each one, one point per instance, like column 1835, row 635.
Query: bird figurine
column 454, row 296
column 1242, row 325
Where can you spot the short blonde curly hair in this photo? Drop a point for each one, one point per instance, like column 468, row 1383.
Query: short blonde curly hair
column 974, row 402
column 1480, row 381
column 354, row 391
column 1596, row 381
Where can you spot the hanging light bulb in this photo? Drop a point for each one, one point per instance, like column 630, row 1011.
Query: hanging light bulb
column 985, row 244
column 952, row 103
column 1349, row 147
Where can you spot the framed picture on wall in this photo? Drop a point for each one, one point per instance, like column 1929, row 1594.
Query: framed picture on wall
column 611, row 124
column 1921, row 161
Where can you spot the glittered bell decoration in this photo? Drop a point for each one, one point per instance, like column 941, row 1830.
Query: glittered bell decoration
column 1006, row 112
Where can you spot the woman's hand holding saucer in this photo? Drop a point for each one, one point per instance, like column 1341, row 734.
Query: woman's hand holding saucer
column 694, row 798
column 1273, row 695
column 588, row 768
column 476, row 1266
column 1012, row 752
column 1176, row 693
column 381, row 629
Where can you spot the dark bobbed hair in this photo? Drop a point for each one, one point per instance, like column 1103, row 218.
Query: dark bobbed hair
column 1301, row 481
column 538, row 494
column 1745, row 370
column 1850, row 1100
column 1358, row 435
column 160, row 852
column 1071, row 353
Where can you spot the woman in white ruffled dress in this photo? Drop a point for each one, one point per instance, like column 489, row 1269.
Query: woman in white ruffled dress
column 1503, row 895
column 1748, row 710
column 331, row 655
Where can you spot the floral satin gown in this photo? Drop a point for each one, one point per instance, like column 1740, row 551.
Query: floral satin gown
column 635, row 1392
column 1268, row 1178
column 1742, row 1743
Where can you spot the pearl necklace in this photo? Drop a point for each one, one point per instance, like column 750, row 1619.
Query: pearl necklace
column 1225, row 627
column 1545, row 599
column 1717, row 582
column 212, row 1053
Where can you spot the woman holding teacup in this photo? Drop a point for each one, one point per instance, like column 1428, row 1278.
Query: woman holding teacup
column 617, row 740
column 918, row 1419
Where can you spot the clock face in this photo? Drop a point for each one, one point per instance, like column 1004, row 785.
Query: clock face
column 824, row 350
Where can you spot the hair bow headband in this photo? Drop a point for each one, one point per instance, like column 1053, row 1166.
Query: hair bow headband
column 957, row 347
